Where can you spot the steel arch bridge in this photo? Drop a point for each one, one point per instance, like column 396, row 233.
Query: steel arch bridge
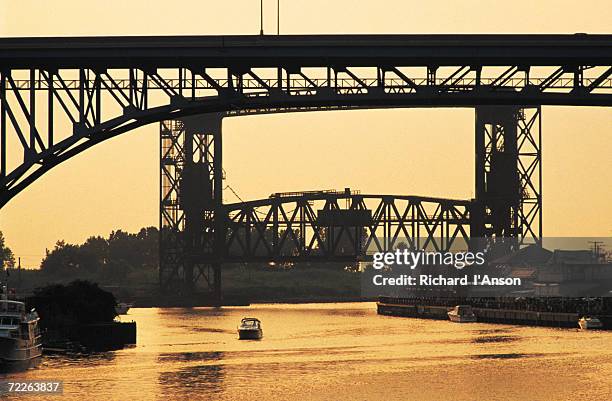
column 61, row 96
column 96, row 88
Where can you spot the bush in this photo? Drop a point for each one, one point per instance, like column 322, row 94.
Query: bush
column 79, row 302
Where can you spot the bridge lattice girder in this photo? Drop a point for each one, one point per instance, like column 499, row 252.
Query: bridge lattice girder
column 342, row 226
column 59, row 97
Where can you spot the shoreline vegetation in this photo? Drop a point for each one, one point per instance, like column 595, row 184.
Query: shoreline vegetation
column 126, row 265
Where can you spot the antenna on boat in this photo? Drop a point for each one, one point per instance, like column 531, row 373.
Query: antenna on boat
column 5, row 280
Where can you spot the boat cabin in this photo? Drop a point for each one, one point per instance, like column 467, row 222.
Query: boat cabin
column 11, row 307
column 250, row 323
column 463, row 309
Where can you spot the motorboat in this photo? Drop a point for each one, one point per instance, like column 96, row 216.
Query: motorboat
column 462, row 314
column 20, row 339
column 589, row 323
column 250, row 329
column 122, row 308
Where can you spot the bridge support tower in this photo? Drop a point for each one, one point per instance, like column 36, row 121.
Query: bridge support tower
column 191, row 229
column 508, row 203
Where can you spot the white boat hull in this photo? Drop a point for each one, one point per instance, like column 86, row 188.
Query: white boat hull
column 14, row 350
column 461, row 319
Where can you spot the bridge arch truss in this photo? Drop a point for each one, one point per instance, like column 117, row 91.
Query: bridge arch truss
column 61, row 96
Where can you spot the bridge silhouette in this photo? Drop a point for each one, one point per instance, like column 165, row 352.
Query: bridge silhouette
column 102, row 87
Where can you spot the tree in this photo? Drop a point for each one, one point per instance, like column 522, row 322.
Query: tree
column 64, row 258
column 108, row 260
column 7, row 259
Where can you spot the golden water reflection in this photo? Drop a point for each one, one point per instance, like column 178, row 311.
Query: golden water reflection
column 335, row 352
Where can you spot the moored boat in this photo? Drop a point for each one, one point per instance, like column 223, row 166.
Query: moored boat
column 250, row 329
column 20, row 339
column 589, row 322
column 462, row 314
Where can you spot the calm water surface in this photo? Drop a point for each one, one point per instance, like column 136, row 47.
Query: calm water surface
column 335, row 352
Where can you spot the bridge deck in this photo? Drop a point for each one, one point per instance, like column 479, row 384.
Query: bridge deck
column 305, row 50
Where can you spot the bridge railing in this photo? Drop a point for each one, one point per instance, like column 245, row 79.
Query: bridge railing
column 298, row 85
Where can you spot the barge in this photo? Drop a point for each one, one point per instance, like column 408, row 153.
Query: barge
column 426, row 310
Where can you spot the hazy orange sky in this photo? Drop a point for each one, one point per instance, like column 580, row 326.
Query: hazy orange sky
column 410, row 151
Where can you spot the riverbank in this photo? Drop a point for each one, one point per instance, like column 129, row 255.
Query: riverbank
column 194, row 302
column 242, row 285
column 245, row 285
column 94, row 337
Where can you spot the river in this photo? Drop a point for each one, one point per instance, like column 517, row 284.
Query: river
column 342, row 351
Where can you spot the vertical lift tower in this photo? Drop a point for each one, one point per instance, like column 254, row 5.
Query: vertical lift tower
column 191, row 234
column 508, row 180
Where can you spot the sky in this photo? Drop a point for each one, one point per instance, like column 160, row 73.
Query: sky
column 114, row 185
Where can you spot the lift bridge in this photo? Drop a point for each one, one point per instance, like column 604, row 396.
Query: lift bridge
column 61, row 96
column 199, row 232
